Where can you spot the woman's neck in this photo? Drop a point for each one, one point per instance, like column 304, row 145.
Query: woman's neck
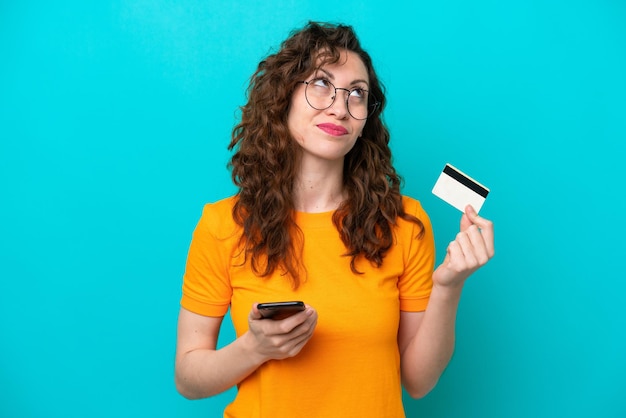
column 319, row 190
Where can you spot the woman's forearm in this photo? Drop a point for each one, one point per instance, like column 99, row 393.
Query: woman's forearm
column 429, row 351
column 202, row 373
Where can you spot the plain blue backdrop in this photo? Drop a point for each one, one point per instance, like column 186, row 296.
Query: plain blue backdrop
column 114, row 121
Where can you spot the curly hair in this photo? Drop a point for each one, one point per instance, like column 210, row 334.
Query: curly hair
column 264, row 164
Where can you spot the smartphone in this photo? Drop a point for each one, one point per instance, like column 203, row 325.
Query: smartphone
column 279, row 310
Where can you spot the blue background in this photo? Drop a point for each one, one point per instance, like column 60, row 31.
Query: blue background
column 114, row 121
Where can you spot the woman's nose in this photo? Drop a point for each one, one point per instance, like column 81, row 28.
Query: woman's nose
column 339, row 107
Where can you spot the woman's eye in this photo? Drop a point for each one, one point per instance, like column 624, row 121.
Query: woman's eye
column 320, row 82
column 358, row 93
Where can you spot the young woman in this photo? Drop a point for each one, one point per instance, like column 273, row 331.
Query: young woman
column 319, row 217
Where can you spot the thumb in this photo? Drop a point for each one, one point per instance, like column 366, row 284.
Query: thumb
column 254, row 312
column 466, row 219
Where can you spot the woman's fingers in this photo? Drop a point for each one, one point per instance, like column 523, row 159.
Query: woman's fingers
column 485, row 228
column 472, row 248
column 282, row 338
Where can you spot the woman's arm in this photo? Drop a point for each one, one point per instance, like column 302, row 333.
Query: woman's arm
column 202, row 371
column 426, row 342
column 426, row 339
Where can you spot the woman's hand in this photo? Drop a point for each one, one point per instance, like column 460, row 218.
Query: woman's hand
column 202, row 370
column 470, row 250
column 283, row 338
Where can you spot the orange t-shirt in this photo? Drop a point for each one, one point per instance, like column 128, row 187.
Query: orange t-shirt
column 351, row 365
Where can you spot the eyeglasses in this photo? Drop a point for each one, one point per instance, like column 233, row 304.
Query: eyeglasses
column 320, row 94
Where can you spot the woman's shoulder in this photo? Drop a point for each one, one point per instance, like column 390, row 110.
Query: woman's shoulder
column 413, row 207
column 217, row 218
column 410, row 229
column 221, row 207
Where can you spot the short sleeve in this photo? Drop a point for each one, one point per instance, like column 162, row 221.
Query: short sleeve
column 206, row 282
column 415, row 284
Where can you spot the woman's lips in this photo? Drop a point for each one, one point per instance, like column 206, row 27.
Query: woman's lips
column 332, row 129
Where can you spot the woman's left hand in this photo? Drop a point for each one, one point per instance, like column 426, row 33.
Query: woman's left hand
column 470, row 250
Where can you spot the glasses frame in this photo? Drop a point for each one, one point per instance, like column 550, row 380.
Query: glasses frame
column 371, row 104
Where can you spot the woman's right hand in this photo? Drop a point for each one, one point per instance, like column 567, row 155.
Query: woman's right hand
column 283, row 338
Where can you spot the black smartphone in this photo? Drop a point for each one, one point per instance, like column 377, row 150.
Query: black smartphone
column 279, row 310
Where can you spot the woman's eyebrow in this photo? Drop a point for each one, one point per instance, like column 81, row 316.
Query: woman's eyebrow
column 332, row 77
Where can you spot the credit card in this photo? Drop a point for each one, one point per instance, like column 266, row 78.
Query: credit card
column 459, row 189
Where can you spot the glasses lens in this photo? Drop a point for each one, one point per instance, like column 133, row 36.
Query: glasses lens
column 320, row 93
column 357, row 103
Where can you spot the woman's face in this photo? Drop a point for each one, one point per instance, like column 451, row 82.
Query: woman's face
column 331, row 133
